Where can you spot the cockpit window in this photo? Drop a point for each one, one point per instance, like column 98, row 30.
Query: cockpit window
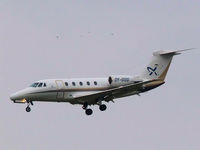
column 34, row 84
column 40, row 84
column 45, row 85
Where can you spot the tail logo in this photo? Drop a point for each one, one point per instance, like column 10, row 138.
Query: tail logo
column 152, row 70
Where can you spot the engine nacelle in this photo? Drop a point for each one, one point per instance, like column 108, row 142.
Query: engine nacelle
column 119, row 80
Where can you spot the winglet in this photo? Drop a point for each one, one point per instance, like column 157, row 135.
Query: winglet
column 177, row 52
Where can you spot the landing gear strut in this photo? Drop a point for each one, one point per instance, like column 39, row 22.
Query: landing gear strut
column 85, row 105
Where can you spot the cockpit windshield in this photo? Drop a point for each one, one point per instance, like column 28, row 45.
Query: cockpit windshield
column 38, row 84
column 34, row 84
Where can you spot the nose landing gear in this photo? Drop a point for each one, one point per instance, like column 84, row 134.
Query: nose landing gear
column 28, row 108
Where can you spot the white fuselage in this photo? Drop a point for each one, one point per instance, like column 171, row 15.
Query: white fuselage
column 65, row 90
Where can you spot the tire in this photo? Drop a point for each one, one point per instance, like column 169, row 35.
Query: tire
column 28, row 109
column 103, row 107
column 88, row 112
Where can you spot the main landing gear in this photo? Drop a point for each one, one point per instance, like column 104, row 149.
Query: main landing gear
column 102, row 107
column 89, row 111
column 28, row 108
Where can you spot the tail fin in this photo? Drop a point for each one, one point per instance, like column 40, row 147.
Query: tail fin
column 158, row 67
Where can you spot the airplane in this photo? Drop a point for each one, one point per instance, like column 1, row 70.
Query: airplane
column 96, row 91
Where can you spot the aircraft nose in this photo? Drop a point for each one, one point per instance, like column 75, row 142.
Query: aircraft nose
column 17, row 96
column 12, row 97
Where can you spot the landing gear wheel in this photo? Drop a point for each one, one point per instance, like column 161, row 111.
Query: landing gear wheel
column 102, row 107
column 88, row 111
column 28, row 109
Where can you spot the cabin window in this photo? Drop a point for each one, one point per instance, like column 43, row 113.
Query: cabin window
column 66, row 84
column 88, row 83
column 95, row 82
column 81, row 83
column 40, row 84
column 73, row 83
column 45, row 85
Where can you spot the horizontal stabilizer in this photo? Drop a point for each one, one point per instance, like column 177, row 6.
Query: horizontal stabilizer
column 177, row 52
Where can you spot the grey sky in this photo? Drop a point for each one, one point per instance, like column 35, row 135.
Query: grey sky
column 64, row 39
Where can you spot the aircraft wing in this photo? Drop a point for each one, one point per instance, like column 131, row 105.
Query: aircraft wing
column 108, row 95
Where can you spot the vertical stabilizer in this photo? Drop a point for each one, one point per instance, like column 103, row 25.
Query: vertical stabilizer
column 159, row 65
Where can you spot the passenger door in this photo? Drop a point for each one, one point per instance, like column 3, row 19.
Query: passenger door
column 60, row 89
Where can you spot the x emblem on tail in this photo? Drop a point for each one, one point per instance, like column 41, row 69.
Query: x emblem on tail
column 151, row 70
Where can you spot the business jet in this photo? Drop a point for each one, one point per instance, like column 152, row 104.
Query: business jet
column 97, row 91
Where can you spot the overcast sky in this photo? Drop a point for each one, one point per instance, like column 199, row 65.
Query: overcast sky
column 85, row 38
